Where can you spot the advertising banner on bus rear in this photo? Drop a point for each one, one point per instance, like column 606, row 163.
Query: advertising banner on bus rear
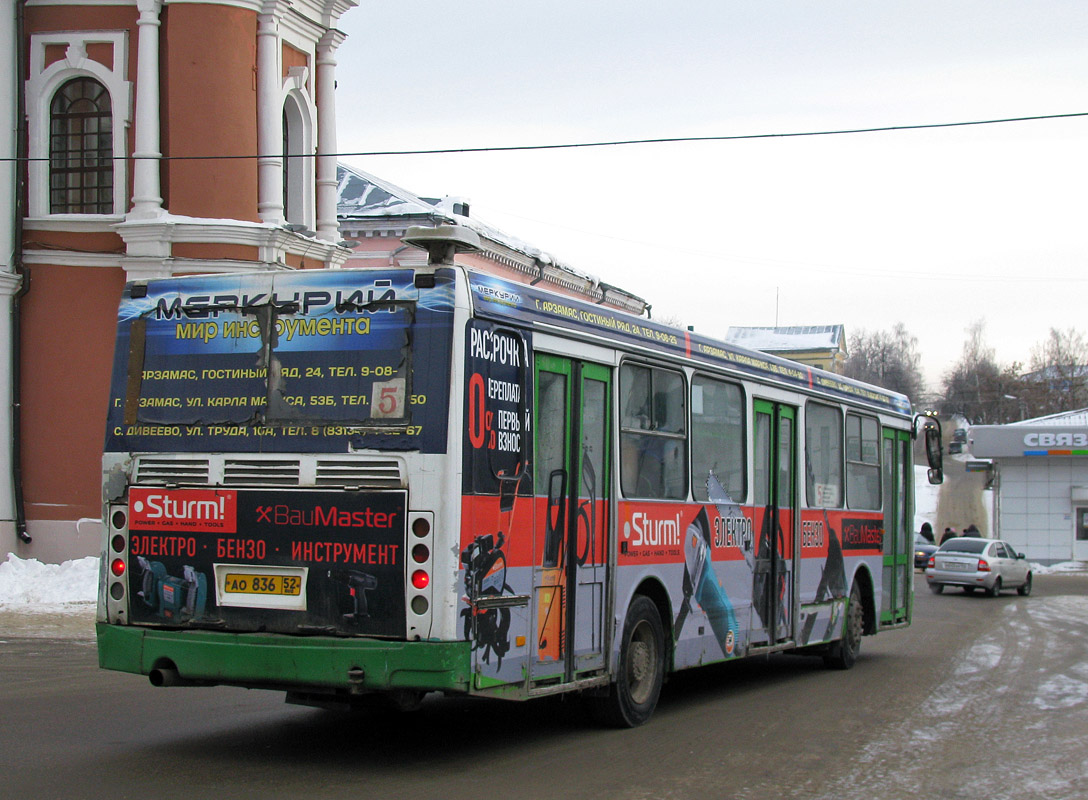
column 315, row 361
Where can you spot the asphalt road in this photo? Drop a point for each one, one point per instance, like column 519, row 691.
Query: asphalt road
column 980, row 698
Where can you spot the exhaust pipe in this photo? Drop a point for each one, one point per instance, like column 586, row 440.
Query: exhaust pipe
column 168, row 676
column 165, row 676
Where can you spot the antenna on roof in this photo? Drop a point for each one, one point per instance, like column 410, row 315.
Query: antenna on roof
column 443, row 242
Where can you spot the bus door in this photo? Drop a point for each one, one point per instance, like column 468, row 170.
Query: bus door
column 898, row 528
column 776, row 497
column 572, row 469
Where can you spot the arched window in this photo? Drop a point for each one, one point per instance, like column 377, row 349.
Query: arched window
column 292, row 164
column 298, row 164
column 81, row 149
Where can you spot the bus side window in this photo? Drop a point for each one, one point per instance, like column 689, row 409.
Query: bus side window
column 653, row 442
column 823, row 456
column 862, row 462
column 717, row 438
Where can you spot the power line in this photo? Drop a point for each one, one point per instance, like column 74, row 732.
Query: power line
column 724, row 138
column 610, row 143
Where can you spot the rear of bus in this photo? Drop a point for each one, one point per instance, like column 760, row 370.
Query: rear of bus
column 273, row 468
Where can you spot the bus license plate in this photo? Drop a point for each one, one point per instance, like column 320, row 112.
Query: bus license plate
column 259, row 586
column 235, row 583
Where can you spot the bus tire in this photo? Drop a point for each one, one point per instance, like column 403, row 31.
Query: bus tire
column 843, row 653
column 633, row 696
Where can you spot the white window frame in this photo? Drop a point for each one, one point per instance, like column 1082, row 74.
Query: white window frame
column 41, row 86
column 302, row 124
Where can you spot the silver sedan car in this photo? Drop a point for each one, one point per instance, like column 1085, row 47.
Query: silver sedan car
column 972, row 563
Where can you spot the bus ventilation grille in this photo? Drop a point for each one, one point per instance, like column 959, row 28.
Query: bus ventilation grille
column 261, row 472
column 369, row 474
column 173, row 471
column 218, row 470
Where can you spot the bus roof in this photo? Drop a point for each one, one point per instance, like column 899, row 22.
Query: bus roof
column 515, row 302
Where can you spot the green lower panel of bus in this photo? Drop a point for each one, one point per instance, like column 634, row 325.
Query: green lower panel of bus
column 279, row 661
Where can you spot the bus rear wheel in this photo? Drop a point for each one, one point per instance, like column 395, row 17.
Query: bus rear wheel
column 633, row 695
column 843, row 653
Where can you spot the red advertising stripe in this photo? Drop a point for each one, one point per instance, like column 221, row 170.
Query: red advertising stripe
column 195, row 510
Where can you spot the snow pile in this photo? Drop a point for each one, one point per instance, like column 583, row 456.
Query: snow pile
column 925, row 499
column 30, row 585
column 1057, row 569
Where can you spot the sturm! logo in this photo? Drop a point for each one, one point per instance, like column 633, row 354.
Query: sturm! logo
column 185, row 509
column 642, row 529
column 165, row 507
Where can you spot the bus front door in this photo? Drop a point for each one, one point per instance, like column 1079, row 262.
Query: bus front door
column 775, row 497
column 898, row 574
column 570, row 547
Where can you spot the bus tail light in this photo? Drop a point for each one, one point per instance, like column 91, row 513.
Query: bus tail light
column 419, row 572
column 983, row 566
column 116, row 578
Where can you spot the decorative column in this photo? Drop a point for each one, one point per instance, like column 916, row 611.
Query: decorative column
column 269, row 116
column 327, row 226
column 146, row 198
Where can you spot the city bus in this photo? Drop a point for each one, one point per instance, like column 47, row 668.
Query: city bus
column 360, row 484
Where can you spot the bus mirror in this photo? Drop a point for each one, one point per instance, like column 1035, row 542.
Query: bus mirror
column 933, row 447
column 929, row 423
column 933, row 453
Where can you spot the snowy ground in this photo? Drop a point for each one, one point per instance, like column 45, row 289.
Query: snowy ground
column 1021, row 689
column 48, row 600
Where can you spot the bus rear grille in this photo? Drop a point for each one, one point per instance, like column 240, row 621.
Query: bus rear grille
column 369, row 474
column 173, row 471
column 261, row 472
column 218, row 470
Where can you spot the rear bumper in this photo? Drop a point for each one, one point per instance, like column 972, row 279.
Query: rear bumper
column 982, row 580
column 257, row 660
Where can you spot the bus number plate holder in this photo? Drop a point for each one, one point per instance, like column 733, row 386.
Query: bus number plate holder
column 261, row 587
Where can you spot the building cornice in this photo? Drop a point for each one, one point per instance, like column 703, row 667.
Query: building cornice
column 74, row 223
column 10, row 283
column 154, row 238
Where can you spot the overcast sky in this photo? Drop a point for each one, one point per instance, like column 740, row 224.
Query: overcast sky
column 932, row 228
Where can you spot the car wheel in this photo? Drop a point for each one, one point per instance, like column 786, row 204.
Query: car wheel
column 936, row 588
column 1025, row 590
column 843, row 653
column 633, row 696
column 995, row 590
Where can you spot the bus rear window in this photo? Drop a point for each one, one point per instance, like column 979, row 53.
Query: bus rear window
column 280, row 360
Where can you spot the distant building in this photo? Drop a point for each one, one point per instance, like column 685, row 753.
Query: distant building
column 820, row 346
column 1040, row 483
column 374, row 214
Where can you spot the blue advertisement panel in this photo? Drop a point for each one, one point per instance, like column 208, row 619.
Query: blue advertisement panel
column 308, row 361
column 499, row 299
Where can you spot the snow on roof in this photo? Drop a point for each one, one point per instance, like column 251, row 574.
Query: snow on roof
column 791, row 338
column 365, row 196
column 1064, row 419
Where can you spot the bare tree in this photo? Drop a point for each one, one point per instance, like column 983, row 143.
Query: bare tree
column 980, row 389
column 886, row 358
column 1058, row 380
